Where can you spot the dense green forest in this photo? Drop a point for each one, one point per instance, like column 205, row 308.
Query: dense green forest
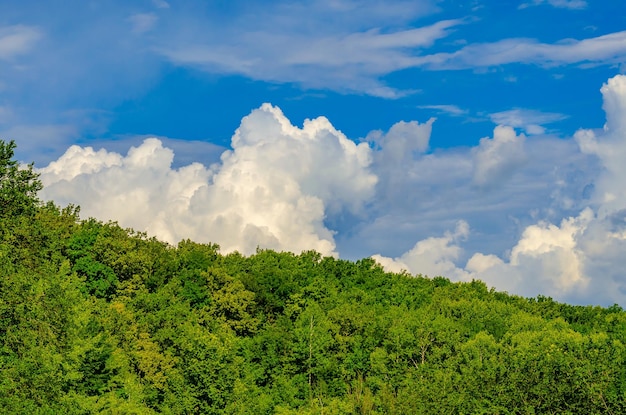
column 95, row 318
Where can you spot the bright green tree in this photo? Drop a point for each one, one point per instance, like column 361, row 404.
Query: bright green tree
column 18, row 185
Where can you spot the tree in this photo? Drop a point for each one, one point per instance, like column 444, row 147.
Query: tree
column 18, row 185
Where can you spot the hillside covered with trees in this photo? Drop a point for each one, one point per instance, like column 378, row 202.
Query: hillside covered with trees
column 99, row 319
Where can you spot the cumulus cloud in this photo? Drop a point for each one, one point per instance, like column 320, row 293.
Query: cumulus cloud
column 77, row 161
column 498, row 187
column 434, row 256
column 402, row 142
column 581, row 259
column 272, row 190
column 138, row 190
column 546, row 260
column 497, row 158
column 609, row 145
column 396, row 150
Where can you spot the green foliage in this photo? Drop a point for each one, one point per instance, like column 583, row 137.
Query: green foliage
column 99, row 319
column 18, row 186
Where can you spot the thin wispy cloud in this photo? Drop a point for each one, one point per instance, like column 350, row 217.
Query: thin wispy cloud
column 606, row 49
column 448, row 109
column 531, row 121
column 562, row 4
column 143, row 22
column 16, row 40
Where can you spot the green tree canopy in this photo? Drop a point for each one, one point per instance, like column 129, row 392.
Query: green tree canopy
column 18, row 184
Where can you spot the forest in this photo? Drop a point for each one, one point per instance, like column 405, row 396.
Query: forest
column 95, row 318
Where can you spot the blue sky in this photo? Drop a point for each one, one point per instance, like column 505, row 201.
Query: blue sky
column 463, row 138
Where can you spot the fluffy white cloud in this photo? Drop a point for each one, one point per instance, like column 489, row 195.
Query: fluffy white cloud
column 546, row 260
column 272, row 190
column 434, row 256
column 497, row 158
column 609, row 145
column 138, row 190
column 77, row 161
column 401, row 143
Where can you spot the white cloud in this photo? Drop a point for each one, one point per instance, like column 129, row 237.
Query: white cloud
column 531, row 121
column 396, row 150
column 349, row 46
column 498, row 187
column 606, row 49
column 272, row 190
column 76, row 161
column 185, row 151
column 561, row 4
column 497, row 158
column 446, row 109
column 609, row 145
column 341, row 61
column 143, row 22
column 581, row 259
column 16, row 40
column 434, row 256
column 546, row 260
column 401, row 142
